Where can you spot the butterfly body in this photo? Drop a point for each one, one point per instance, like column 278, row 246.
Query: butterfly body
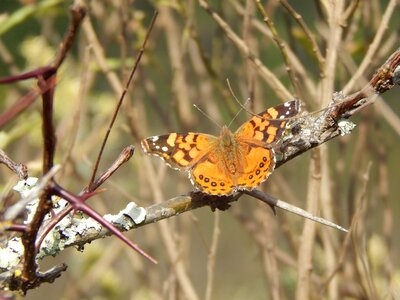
column 232, row 161
column 228, row 153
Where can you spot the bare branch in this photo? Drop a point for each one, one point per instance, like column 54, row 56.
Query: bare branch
column 267, row 74
column 373, row 47
column 299, row 19
column 121, row 99
column 20, row 169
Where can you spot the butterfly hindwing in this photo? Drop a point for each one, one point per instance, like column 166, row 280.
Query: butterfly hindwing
column 208, row 177
column 259, row 164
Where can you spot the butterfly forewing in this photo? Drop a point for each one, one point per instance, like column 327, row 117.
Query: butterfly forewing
column 269, row 126
column 179, row 150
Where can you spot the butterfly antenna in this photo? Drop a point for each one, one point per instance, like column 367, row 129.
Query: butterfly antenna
column 207, row 116
column 250, row 112
column 242, row 106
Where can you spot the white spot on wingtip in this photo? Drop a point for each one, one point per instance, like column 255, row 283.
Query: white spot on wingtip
column 157, row 147
column 154, row 138
column 164, row 148
column 286, row 104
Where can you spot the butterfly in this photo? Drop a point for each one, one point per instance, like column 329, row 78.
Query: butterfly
column 232, row 161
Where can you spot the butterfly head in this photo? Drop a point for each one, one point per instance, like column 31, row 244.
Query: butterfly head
column 226, row 137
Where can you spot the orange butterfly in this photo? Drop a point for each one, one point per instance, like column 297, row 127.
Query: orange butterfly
column 231, row 162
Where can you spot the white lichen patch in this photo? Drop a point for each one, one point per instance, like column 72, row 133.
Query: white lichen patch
column 55, row 241
column 11, row 254
column 136, row 213
column 80, row 227
column 51, row 245
column 90, row 224
column 69, row 230
column 29, row 199
column 24, row 187
column 128, row 217
column 337, row 97
column 345, row 127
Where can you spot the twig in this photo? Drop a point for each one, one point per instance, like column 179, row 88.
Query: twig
column 212, row 257
column 274, row 202
column 124, row 156
column 139, row 56
column 382, row 107
column 349, row 12
column 48, row 130
column 373, row 47
column 266, row 74
column 334, row 11
column 257, row 233
column 358, row 238
column 22, row 103
column 203, row 66
column 249, row 39
column 180, row 87
column 269, row 231
column 18, row 168
column 78, row 13
column 282, row 47
column 328, row 206
column 300, row 143
column 171, row 248
column 167, row 209
column 299, row 19
column 98, row 52
column 304, row 259
column 29, row 275
column 309, row 87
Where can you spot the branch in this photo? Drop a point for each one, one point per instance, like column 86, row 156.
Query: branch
column 269, row 77
column 309, row 132
column 121, row 99
column 29, row 277
column 20, row 169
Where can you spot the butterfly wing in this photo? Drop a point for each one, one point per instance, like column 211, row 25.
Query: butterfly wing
column 193, row 152
column 268, row 127
column 179, row 150
column 210, row 177
column 259, row 164
column 255, row 138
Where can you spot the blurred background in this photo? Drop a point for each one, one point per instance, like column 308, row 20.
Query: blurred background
column 246, row 252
